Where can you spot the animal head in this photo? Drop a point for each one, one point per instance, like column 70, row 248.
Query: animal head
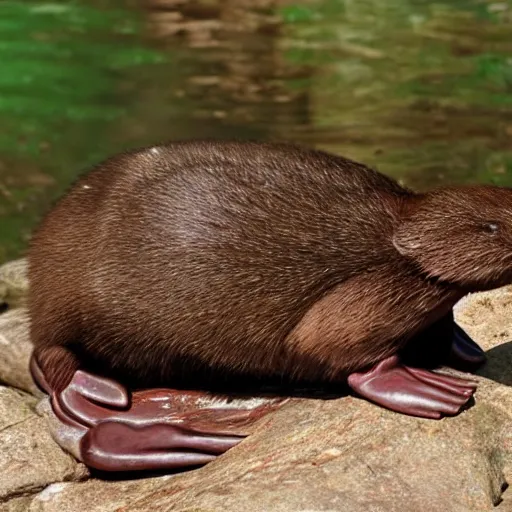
column 461, row 235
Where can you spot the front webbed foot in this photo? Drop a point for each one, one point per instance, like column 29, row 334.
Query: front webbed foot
column 465, row 354
column 158, row 429
column 412, row 391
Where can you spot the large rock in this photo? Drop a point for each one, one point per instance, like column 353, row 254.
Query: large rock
column 15, row 344
column 95, row 495
column 16, row 348
column 312, row 455
column 14, row 283
column 29, row 458
column 16, row 504
column 487, row 318
column 335, row 455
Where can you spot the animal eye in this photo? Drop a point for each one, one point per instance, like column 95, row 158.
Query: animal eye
column 491, row 228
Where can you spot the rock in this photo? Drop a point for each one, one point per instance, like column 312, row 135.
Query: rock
column 94, row 495
column 311, row 455
column 15, row 343
column 29, row 458
column 349, row 455
column 14, row 283
column 16, row 505
column 16, row 349
column 487, row 318
column 334, row 455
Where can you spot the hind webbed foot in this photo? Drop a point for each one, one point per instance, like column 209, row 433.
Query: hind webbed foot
column 106, row 432
column 412, row 391
column 158, row 429
column 117, row 446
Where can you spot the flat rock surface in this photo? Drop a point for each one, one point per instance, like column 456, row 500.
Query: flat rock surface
column 311, row 455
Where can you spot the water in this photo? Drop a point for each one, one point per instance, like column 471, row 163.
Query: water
column 422, row 90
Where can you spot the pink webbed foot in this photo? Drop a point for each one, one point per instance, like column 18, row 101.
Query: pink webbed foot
column 159, row 429
column 412, row 391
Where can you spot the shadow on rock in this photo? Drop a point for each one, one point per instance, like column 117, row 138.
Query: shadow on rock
column 499, row 364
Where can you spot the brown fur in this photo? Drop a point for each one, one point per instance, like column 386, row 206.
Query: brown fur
column 252, row 259
column 365, row 319
column 448, row 233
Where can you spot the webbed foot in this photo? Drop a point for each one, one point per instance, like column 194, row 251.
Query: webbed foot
column 159, row 429
column 464, row 354
column 412, row 391
column 443, row 343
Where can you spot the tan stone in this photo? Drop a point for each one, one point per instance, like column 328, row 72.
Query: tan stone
column 29, row 458
column 16, row 348
column 14, row 283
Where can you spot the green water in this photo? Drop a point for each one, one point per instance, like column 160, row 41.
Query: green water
column 422, row 90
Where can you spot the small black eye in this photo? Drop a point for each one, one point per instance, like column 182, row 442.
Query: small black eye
column 491, row 228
